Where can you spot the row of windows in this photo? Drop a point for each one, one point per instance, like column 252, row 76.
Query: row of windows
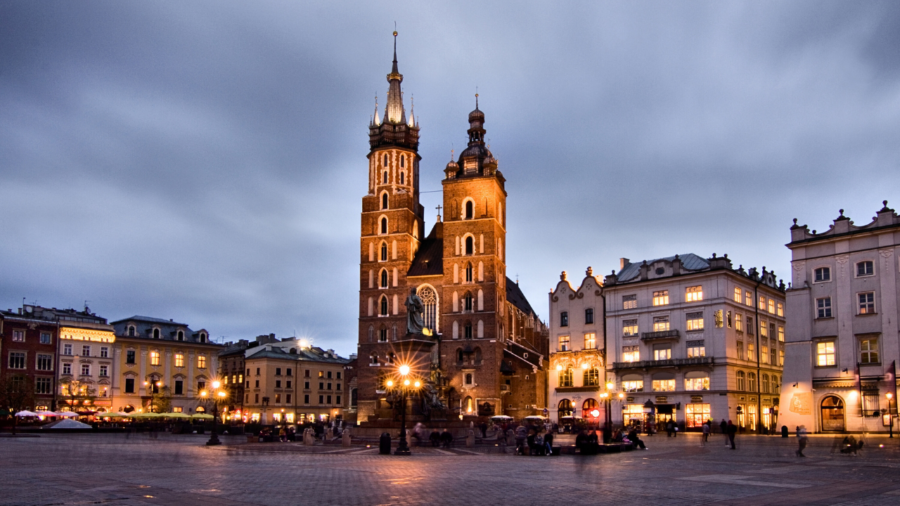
column 85, row 369
column 591, row 377
column 695, row 322
column 867, row 349
column 590, row 342
column 18, row 336
column 179, row 336
column 19, row 359
column 767, row 355
column 323, row 399
column 153, row 385
column 743, row 382
column 306, row 372
column 68, row 350
column 863, row 269
column 131, row 358
column 588, row 317
column 764, row 304
column 865, row 304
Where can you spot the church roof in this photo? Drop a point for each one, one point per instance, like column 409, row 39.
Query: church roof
column 429, row 260
column 515, row 296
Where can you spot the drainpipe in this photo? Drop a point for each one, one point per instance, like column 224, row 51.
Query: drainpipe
column 758, row 351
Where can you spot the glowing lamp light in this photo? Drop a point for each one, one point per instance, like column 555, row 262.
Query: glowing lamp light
column 406, row 382
column 595, row 413
column 610, row 386
column 216, row 384
column 558, row 367
column 203, row 393
column 584, row 365
column 889, row 395
column 418, row 384
column 621, row 395
column 390, row 383
column 222, row 395
column 404, row 370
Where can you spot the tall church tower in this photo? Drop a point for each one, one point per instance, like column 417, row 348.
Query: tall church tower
column 474, row 286
column 392, row 226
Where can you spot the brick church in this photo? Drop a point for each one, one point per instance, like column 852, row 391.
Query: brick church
column 486, row 353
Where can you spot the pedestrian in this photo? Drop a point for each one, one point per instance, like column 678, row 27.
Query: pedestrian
column 732, row 431
column 705, row 434
column 633, row 436
column 521, row 436
column 669, row 426
column 446, row 439
column 483, row 426
column 724, row 427
column 548, row 442
column 802, row 440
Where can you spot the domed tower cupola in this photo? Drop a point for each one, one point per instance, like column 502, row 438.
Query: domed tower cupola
column 472, row 158
column 452, row 168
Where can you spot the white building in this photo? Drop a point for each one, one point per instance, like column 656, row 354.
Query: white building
column 691, row 339
column 843, row 318
column 576, row 378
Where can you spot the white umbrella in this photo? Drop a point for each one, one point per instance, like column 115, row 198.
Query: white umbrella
column 67, row 414
column 70, row 424
column 26, row 413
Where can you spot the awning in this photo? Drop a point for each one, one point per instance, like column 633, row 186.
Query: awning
column 665, row 409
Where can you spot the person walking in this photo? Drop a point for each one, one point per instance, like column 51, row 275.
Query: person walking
column 521, row 435
column 705, row 434
column 669, row 426
column 732, row 431
column 724, row 427
column 802, row 440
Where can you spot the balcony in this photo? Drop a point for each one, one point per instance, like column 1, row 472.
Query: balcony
column 658, row 336
column 675, row 362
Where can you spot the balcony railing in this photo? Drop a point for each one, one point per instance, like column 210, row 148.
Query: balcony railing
column 663, row 334
column 674, row 362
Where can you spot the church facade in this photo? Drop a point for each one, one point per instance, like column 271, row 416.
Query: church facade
column 484, row 355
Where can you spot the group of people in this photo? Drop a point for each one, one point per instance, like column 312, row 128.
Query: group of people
column 442, row 439
column 539, row 440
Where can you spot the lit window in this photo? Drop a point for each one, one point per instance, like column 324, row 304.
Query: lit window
column 664, row 385
column 764, row 354
column 867, row 303
column 781, row 333
column 868, row 350
column 661, row 298
column 591, row 377
column 717, row 316
column 748, row 298
column 696, row 383
column 201, row 361
column 629, row 328
column 823, row 307
column 590, row 341
column 740, row 350
column 565, row 377
column 662, row 352
column 154, row 358
column 751, row 351
column 694, row 321
column 737, row 294
column 822, row 274
column 780, row 309
column 693, row 294
column 762, row 329
column 762, row 303
column 696, row 349
column 629, row 301
column 866, row 268
column 660, row 323
column 771, row 306
column 563, row 343
column 631, row 353
column 179, row 360
column 741, row 383
column 633, row 386
column 738, row 322
column 781, row 357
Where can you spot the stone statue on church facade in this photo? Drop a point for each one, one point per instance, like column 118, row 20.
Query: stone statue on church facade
column 415, row 314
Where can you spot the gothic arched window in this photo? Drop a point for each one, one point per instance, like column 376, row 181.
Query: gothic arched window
column 384, row 252
column 467, row 302
column 384, row 225
column 468, row 334
column 470, row 245
column 469, row 273
column 384, row 178
column 470, row 211
column 384, row 200
column 402, row 178
column 402, row 160
column 383, row 309
column 384, row 278
column 385, row 163
column 429, row 299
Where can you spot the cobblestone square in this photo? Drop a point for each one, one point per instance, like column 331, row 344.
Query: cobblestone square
column 137, row 469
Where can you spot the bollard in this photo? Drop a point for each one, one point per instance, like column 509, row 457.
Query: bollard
column 470, row 438
column 784, row 431
column 384, row 444
column 345, row 438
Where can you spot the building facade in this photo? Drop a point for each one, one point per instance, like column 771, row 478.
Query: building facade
column 292, row 382
column 577, row 376
column 692, row 339
column 458, row 271
column 86, row 365
column 842, row 339
column 161, row 365
column 28, row 357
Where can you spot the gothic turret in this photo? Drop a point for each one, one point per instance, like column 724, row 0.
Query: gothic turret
column 395, row 130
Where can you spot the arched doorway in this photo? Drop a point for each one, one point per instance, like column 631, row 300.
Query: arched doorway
column 591, row 409
column 565, row 408
column 832, row 414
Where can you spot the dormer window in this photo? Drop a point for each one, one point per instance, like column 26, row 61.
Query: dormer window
column 202, row 337
column 131, row 331
column 155, row 333
column 181, row 335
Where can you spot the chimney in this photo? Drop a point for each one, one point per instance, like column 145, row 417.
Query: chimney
column 623, row 262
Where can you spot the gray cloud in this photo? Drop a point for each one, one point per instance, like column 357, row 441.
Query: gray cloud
column 205, row 161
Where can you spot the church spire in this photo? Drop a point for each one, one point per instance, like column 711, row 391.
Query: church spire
column 393, row 112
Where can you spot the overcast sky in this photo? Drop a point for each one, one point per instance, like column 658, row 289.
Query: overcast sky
column 205, row 161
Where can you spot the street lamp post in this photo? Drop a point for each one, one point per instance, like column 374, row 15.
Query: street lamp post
column 607, row 423
column 890, row 396
column 149, row 386
column 216, row 395
column 405, row 383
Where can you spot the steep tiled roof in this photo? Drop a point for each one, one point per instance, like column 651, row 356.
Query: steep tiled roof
column 429, row 260
column 515, row 296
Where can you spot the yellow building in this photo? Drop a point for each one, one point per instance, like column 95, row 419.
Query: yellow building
column 161, row 365
column 293, row 380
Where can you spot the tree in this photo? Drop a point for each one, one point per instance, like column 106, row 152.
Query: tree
column 16, row 394
column 160, row 400
column 76, row 392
